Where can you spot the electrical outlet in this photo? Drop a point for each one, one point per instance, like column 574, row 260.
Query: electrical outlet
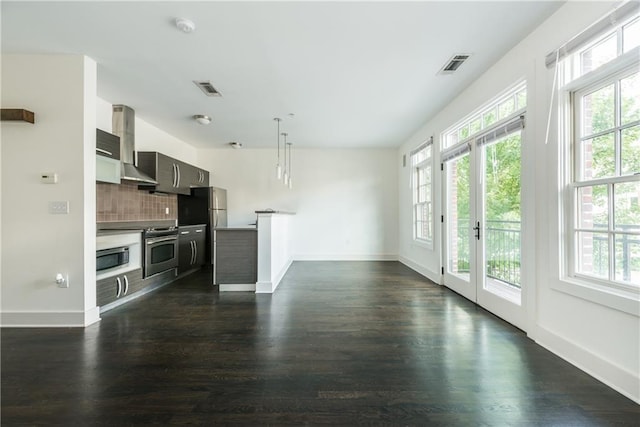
column 62, row 280
column 166, row 211
column 57, row 208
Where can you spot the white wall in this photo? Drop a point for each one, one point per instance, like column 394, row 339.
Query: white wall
column 601, row 340
column 61, row 90
column 148, row 137
column 345, row 199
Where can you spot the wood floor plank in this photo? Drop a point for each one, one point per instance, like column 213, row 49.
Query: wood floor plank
column 342, row 343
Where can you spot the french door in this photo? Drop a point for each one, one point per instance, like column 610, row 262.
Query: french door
column 482, row 220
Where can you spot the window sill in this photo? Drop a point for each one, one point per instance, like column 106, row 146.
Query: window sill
column 626, row 302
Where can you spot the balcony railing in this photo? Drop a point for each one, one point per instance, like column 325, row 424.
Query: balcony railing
column 624, row 252
column 502, row 248
column 503, row 255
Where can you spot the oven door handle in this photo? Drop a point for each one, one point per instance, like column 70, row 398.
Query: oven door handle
column 161, row 239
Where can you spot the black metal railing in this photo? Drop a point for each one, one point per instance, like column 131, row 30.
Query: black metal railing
column 502, row 248
column 626, row 251
column 503, row 251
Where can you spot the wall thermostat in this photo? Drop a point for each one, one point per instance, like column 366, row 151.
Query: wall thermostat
column 49, row 178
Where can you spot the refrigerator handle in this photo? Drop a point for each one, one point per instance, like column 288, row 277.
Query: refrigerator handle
column 215, row 219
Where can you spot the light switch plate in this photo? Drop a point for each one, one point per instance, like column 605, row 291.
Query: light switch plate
column 59, row 207
column 49, row 178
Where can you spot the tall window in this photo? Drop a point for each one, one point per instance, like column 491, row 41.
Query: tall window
column 421, row 163
column 604, row 188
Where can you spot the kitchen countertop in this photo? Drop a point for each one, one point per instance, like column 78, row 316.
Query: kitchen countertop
column 271, row 211
column 113, row 227
column 236, row 229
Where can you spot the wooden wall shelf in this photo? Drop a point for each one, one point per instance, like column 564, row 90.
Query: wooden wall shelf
column 17, row 114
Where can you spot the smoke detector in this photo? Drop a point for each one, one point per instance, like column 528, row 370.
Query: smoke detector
column 202, row 119
column 235, row 145
column 185, row 25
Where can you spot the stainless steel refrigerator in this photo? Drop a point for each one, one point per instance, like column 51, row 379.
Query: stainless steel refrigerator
column 205, row 205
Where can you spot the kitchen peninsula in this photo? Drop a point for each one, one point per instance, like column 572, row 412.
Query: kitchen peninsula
column 274, row 249
column 254, row 259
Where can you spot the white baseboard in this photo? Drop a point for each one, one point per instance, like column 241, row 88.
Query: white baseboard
column 431, row 275
column 49, row 319
column 619, row 379
column 246, row 287
column 345, row 257
column 269, row 287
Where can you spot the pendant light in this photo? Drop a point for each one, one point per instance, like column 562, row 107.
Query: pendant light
column 278, row 167
column 290, row 180
column 286, row 171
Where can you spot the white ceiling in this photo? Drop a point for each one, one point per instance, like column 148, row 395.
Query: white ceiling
column 355, row 74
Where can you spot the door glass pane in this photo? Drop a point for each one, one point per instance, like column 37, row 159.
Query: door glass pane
column 506, row 108
column 593, row 207
column 593, row 254
column 630, row 95
column 502, row 228
column 630, row 163
column 459, row 216
column 489, row 118
column 522, row 98
column 599, row 157
column 598, row 111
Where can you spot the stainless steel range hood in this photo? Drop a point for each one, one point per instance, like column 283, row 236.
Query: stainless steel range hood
column 123, row 125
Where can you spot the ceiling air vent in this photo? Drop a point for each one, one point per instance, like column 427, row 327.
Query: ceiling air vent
column 207, row 88
column 454, row 63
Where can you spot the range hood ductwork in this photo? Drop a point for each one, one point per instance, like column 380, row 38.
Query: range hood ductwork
column 123, row 125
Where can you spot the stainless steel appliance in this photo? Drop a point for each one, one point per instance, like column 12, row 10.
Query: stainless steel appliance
column 112, row 258
column 205, row 205
column 160, row 250
column 123, row 124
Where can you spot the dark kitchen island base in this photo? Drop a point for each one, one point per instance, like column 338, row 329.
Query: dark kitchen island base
column 236, row 257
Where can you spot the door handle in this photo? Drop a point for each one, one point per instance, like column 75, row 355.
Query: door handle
column 126, row 284
column 119, row 285
column 477, row 228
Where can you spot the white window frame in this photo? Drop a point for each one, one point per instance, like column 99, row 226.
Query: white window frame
column 610, row 293
column 426, row 164
column 603, row 77
column 516, row 93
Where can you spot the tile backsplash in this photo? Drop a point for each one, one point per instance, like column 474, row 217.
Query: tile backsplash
column 125, row 202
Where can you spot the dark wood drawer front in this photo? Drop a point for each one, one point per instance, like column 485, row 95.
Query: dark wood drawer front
column 107, row 289
column 236, row 256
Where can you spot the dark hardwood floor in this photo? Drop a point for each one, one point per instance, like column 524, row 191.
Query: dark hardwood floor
column 342, row 343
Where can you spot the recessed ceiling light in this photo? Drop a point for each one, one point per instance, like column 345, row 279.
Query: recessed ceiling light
column 185, row 25
column 202, row 119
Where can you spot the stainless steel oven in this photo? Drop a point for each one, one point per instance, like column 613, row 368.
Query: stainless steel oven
column 160, row 250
